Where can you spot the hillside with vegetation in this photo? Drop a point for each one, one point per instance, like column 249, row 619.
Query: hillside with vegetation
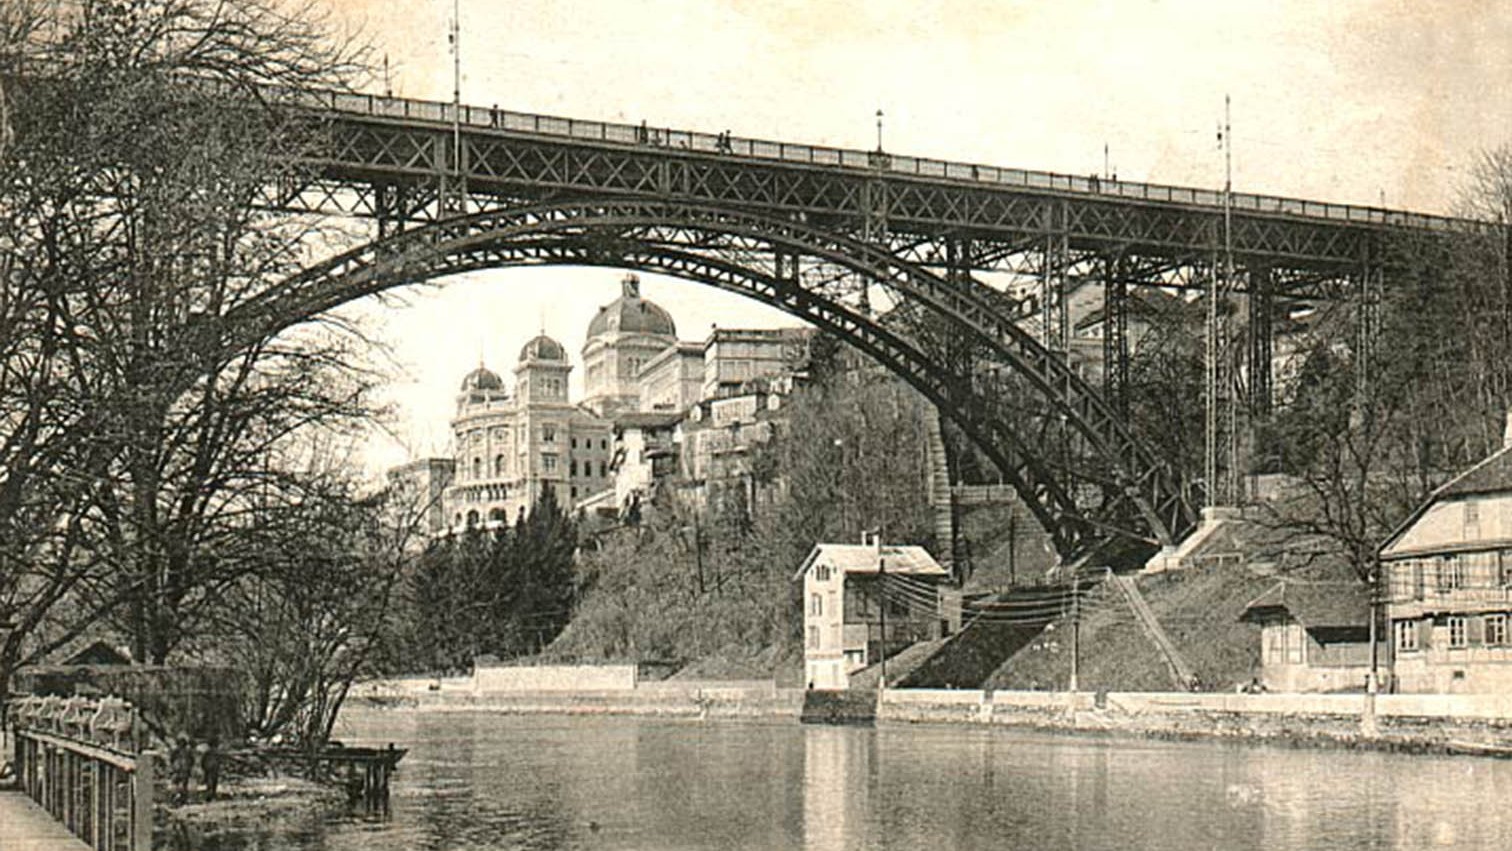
column 713, row 590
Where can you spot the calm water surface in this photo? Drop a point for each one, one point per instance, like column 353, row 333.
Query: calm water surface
column 480, row 781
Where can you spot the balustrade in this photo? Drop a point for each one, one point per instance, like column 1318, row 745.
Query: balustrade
column 84, row 762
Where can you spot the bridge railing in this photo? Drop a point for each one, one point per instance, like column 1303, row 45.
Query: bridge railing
column 488, row 118
column 81, row 760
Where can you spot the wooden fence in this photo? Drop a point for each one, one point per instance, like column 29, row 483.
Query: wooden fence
column 84, row 762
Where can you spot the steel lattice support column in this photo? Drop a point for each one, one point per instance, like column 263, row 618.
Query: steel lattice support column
column 1369, row 289
column 1261, row 317
column 1054, row 312
column 1115, row 341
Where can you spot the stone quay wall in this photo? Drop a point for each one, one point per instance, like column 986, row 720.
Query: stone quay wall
column 1427, row 723
column 1405, row 722
column 584, row 692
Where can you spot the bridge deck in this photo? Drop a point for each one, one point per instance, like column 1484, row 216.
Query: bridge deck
column 25, row 827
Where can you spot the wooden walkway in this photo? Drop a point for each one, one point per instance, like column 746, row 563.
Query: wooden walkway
column 25, row 827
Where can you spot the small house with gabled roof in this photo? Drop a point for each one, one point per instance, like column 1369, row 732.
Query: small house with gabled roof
column 1446, row 574
column 1314, row 636
column 863, row 602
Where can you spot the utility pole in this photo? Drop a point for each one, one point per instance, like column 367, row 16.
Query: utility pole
column 460, row 199
column 1075, row 630
column 1219, row 493
column 882, row 602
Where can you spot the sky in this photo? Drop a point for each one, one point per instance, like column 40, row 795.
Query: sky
column 1356, row 101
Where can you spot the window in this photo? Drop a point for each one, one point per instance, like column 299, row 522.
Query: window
column 816, row 605
column 1504, row 567
column 574, row 443
column 1275, row 642
column 496, row 515
column 498, row 465
column 574, row 492
column 572, row 467
column 1451, row 574
column 603, row 470
column 1457, row 632
column 1406, row 635
column 1496, row 630
column 822, row 573
column 604, row 444
column 472, row 519
column 549, row 463
column 548, row 433
column 813, row 637
column 477, row 468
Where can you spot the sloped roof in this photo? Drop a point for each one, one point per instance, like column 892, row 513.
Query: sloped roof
column 648, row 419
column 542, row 347
column 1492, row 475
column 1489, row 476
column 862, row 558
column 1315, row 605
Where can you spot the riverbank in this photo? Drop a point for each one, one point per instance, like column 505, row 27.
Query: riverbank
column 1402, row 723
column 1396, row 722
column 666, row 698
column 248, row 812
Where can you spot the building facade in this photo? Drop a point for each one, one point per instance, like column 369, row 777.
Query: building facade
column 863, row 603
column 1447, row 578
column 1314, row 637
column 623, row 338
column 509, row 448
column 641, row 384
column 417, row 494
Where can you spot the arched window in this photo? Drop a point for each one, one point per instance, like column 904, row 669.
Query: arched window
column 498, row 465
column 477, row 468
column 472, row 519
column 496, row 515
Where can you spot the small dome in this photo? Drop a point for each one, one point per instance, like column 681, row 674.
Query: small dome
column 543, row 348
column 482, row 378
column 632, row 314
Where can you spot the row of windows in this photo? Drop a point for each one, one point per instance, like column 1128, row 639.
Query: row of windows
column 548, row 464
column 1462, row 631
column 813, row 637
column 1414, row 578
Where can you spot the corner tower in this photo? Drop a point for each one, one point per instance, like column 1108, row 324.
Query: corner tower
column 622, row 338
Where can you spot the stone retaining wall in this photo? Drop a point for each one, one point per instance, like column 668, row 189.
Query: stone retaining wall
column 1397, row 722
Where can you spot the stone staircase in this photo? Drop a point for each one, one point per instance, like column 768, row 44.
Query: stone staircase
column 1181, row 671
column 899, row 666
column 968, row 658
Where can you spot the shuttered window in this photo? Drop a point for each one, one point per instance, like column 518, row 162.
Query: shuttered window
column 1458, row 632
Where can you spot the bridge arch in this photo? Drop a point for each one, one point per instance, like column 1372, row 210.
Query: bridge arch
column 816, row 275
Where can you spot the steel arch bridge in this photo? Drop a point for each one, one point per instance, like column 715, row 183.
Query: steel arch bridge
column 883, row 250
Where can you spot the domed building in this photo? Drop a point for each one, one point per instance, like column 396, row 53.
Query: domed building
column 623, row 337
column 510, row 448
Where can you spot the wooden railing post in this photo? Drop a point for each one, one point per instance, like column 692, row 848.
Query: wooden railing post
column 141, row 802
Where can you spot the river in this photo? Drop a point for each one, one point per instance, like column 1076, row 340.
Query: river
column 482, row 781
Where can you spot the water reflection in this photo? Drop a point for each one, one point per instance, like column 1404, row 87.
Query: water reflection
column 477, row 781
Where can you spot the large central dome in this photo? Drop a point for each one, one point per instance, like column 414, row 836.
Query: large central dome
column 631, row 314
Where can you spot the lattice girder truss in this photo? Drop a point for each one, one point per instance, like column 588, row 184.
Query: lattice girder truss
column 820, row 276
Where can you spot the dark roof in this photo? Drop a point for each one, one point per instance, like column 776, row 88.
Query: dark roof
column 1315, row 605
column 98, row 653
column 482, row 378
column 1489, row 476
column 632, row 314
column 542, row 347
column 648, row 419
